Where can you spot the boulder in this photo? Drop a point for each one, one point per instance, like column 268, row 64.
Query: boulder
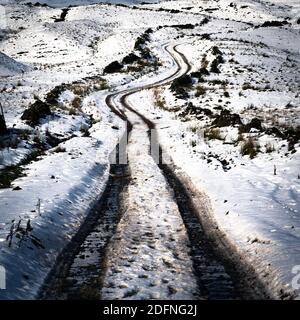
column 226, row 119
column 113, row 67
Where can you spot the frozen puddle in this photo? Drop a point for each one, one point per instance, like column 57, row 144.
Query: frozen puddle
column 148, row 257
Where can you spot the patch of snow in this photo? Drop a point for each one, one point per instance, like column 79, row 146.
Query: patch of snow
column 9, row 66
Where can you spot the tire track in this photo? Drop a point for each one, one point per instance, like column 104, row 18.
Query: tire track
column 212, row 280
column 216, row 274
column 220, row 270
column 77, row 272
column 75, row 275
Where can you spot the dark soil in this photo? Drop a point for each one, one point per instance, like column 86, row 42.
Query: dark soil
column 35, row 112
column 226, row 119
column 274, row 24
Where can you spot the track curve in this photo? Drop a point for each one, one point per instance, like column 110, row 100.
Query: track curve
column 216, row 278
column 220, row 272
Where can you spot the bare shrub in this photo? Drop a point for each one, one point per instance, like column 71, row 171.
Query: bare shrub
column 159, row 100
column 76, row 103
column 200, row 91
column 250, row 147
column 59, row 149
column 212, row 134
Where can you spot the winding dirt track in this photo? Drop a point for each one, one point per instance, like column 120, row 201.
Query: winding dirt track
column 217, row 268
column 182, row 67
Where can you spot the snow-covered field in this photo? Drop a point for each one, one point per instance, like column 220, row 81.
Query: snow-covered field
column 246, row 159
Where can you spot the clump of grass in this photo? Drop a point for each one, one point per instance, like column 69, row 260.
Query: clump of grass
column 204, row 62
column 193, row 129
column 13, row 142
column 85, row 131
column 218, row 82
column 101, row 84
column 250, row 147
column 183, row 81
column 11, row 173
column 212, row 134
column 247, row 86
column 269, row 148
column 214, row 68
column 37, row 138
column 240, row 138
column 200, row 91
column 35, row 112
column 193, row 143
column 72, row 112
column 79, row 89
column 135, row 68
column 59, row 149
column 24, row 135
column 159, row 100
column 216, row 51
column 76, row 103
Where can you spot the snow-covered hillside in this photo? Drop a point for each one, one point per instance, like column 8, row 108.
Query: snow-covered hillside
column 65, row 3
column 9, row 67
column 231, row 124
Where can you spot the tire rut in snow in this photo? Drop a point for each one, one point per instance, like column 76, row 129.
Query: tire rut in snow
column 213, row 280
column 221, row 271
column 148, row 257
column 210, row 273
column 206, row 276
column 78, row 273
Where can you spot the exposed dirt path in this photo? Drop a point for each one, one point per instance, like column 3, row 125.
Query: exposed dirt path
column 77, row 273
column 164, row 279
column 148, row 257
column 159, row 249
column 218, row 269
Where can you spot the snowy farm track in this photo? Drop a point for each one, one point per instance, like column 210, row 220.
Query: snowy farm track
column 76, row 274
column 148, row 240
